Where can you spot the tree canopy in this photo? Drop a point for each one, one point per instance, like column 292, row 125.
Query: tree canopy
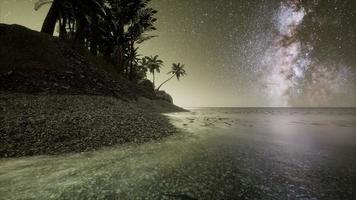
column 112, row 29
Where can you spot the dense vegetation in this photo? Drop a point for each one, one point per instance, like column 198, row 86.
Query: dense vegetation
column 111, row 29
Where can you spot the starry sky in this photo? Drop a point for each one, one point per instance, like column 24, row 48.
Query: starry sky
column 246, row 53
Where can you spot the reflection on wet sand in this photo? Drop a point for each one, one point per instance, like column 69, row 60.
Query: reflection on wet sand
column 218, row 154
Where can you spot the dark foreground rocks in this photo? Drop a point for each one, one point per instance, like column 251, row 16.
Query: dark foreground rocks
column 55, row 124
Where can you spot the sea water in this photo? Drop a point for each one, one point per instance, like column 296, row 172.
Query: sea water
column 218, row 153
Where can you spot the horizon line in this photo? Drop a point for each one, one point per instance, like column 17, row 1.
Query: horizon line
column 301, row 107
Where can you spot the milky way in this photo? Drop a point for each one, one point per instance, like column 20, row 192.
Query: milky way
column 285, row 62
column 288, row 64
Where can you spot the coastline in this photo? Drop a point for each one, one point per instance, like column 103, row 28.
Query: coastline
column 45, row 124
column 56, row 99
column 212, row 149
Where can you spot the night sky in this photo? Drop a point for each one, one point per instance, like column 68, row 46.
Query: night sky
column 247, row 53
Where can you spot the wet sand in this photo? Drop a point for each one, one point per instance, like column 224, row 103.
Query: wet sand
column 218, row 154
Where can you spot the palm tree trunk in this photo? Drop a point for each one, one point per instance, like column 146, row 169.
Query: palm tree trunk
column 94, row 36
column 153, row 80
column 62, row 28
column 120, row 52
column 120, row 62
column 159, row 87
column 79, row 32
column 132, row 72
column 50, row 21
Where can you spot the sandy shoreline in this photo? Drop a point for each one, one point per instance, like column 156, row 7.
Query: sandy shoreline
column 56, row 124
column 293, row 154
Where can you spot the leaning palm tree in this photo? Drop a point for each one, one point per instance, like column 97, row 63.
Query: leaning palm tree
column 177, row 71
column 154, row 65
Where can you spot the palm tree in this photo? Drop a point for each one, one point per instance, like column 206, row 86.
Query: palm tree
column 144, row 64
column 132, row 63
column 124, row 26
column 60, row 10
column 153, row 65
column 177, row 71
column 51, row 17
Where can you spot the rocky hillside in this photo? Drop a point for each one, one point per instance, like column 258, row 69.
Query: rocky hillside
column 53, row 100
column 32, row 62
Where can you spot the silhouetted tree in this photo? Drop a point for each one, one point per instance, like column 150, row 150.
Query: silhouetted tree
column 112, row 28
column 153, row 65
column 177, row 71
column 124, row 27
column 52, row 16
column 67, row 12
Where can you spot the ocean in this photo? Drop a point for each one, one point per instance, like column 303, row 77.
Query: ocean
column 217, row 153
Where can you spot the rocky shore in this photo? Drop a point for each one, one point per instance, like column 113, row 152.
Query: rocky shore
column 55, row 124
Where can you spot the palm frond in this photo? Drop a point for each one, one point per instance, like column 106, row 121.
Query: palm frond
column 40, row 3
